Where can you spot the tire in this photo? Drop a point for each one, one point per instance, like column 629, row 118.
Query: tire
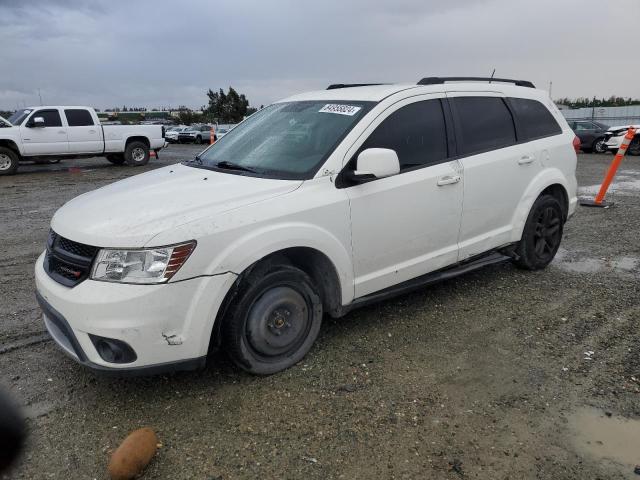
column 634, row 146
column 273, row 319
column 599, row 146
column 198, row 140
column 116, row 158
column 136, row 154
column 542, row 234
column 8, row 161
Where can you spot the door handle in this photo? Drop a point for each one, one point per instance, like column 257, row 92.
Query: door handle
column 526, row 159
column 449, row 180
column 92, row 131
column 62, row 132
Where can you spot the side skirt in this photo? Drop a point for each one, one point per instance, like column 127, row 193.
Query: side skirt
column 461, row 268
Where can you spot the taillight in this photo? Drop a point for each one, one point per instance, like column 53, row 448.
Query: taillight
column 576, row 144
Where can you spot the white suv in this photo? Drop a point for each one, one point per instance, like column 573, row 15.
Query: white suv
column 314, row 205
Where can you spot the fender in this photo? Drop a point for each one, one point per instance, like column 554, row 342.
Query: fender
column 11, row 141
column 262, row 242
column 544, row 179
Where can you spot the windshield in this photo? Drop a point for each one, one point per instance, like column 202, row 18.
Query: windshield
column 288, row 140
column 18, row 117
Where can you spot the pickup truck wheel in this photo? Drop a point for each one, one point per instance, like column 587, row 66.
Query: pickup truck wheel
column 8, row 161
column 116, row 158
column 273, row 320
column 137, row 154
column 541, row 235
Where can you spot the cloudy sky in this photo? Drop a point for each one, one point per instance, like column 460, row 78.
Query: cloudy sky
column 158, row 52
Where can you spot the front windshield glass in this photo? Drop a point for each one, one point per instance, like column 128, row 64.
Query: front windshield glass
column 288, row 140
column 18, row 117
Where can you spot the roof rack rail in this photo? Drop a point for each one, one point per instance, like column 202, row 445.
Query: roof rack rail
column 335, row 86
column 439, row 80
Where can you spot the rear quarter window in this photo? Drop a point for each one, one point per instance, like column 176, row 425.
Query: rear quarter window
column 534, row 119
column 78, row 117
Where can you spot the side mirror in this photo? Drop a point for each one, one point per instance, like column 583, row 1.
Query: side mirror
column 375, row 163
column 36, row 122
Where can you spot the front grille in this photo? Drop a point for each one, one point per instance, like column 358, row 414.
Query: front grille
column 66, row 261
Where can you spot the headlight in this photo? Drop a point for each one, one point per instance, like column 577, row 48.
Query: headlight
column 149, row 265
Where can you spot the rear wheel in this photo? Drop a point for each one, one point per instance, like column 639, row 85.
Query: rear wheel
column 198, row 139
column 116, row 158
column 634, row 146
column 137, row 154
column 542, row 234
column 8, row 161
column 273, row 320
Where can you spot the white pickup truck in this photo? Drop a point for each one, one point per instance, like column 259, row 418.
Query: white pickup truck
column 47, row 133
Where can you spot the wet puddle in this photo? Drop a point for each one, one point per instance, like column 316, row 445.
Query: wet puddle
column 603, row 438
column 626, row 182
column 571, row 262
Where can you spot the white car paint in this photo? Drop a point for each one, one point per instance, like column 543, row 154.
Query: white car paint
column 376, row 235
column 614, row 142
column 65, row 140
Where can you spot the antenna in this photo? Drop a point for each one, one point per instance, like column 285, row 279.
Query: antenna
column 492, row 74
column 40, row 95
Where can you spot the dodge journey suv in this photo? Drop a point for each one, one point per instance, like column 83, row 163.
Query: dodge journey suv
column 312, row 206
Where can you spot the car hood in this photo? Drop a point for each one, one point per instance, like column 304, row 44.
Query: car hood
column 129, row 213
column 623, row 127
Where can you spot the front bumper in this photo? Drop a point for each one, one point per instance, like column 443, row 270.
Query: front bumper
column 168, row 326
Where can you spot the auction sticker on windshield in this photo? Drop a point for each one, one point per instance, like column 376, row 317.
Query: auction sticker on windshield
column 340, row 109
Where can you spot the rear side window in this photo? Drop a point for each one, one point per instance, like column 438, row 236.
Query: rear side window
column 78, row 118
column 416, row 132
column 483, row 124
column 536, row 120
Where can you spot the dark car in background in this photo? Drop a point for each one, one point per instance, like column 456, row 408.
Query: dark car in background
column 591, row 135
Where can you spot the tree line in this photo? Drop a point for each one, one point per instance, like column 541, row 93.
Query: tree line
column 612, row 101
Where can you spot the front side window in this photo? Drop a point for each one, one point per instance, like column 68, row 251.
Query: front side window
column 416, row 132
column 483, row 124
column 289, row 140
column 78, row 118
column 51, row 117
column 536, row 120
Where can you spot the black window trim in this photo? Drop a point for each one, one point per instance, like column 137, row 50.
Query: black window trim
column 65, row 110
column 341, row 182
column 517, row 120
column 456, row 121
column 35, row 112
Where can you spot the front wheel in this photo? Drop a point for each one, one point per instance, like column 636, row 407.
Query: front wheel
column 273, row 320
column 541, row 235
column 8, row 161
column 199, row 140
column 137, row 154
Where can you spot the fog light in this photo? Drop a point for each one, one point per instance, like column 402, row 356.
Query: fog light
column 112, row 350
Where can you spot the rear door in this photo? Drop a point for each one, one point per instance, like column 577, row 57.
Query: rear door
column 406, row 225
column 84, row 135
column 48, row 140
column 497, row 169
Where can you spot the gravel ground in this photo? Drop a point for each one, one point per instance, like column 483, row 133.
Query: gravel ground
column 477, row 377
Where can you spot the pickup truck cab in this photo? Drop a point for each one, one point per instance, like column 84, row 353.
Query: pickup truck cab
column 55, row 132
column 312, row 206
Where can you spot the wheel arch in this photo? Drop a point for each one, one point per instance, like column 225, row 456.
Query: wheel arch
column 142, row 139
column 11, row 145
column 550, row 182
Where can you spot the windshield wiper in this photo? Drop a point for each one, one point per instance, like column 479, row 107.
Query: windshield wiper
column 196, row 159
column 233, row 166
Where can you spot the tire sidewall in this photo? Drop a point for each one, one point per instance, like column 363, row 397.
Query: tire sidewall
column 526, row 248
column 128, row 154
column 234, row 327
column 14, row 161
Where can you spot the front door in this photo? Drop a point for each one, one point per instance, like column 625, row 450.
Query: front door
column 48, row 140
column 406, row 225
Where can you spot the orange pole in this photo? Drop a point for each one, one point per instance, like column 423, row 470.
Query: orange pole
column 212, row 135
column 613, row 168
